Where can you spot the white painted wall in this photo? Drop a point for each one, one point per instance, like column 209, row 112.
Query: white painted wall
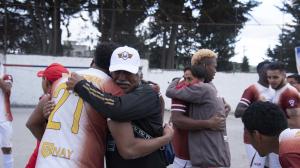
column 27, row 86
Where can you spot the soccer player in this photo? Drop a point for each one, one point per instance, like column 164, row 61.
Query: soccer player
column 294, row 80
column 286, row 96
column 255, row 92
column 183, row 123
column 6, row 120
column 208, row 146
column 140, row 105
column 75, row 135
column 51, row 74
column 266, row 125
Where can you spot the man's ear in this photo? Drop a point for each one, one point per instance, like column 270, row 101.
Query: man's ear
column 257, row 135
column 48, row 84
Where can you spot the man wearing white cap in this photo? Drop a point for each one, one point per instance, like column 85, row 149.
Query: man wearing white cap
column 140, row 105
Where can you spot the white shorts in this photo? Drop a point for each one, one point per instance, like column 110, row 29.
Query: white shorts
column 180, row 163
column 255, row 161
column 6, row 134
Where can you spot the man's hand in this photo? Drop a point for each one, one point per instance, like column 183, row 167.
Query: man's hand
column 168, row 131
column 217, row 122
column 48, row 106
column 227, row 107
column 73, row 80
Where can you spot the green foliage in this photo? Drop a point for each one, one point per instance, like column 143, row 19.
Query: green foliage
column 166, row 32
column 245, row 65
column 288, row 39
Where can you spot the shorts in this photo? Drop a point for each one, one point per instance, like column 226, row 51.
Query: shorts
column 180, row 163
column 6, row 134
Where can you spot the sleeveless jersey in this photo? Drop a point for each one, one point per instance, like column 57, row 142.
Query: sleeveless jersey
column 75, row 135
column 287, row 97
column 5, row 112
column 180, row 139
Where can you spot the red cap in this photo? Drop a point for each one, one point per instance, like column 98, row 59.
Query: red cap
column 53, row 72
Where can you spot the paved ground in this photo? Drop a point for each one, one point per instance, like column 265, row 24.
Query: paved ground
column 24, row 142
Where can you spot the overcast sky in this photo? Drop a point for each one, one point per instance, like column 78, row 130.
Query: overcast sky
column 254, row 38
column 259, row 33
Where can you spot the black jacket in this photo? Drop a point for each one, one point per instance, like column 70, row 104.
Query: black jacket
column 141, row 107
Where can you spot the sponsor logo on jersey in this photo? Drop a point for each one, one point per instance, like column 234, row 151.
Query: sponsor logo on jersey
column 49, row 149
column 292, row 103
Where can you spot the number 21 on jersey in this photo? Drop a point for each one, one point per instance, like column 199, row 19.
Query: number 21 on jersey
column 77, row 113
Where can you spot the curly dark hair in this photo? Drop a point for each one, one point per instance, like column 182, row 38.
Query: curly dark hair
column 276, row 66
column 199, row 71
column 261, row 65
column 103, row 53
column 265, row 117
column 295, row 76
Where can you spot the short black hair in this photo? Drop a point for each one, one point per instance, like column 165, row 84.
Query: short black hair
column 295, row 76
column 276, row 66
column 198, row 71
column 187, row 69
column 103, row 53
column 261, row 65
column 265, row 117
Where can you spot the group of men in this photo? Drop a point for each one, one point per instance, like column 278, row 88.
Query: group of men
column 75, row 134
column 270, row 96
column 108, row 113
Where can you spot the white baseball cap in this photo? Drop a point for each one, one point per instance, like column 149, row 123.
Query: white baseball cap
column 125, row 58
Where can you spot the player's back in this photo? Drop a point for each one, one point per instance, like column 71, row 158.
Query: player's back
column 75, row 134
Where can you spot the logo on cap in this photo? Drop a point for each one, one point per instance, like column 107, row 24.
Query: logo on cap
column 124, row 55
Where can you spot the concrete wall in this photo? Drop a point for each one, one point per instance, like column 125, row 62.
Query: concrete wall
column 27, row 86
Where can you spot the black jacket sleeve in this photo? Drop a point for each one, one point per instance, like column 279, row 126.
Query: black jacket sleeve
column 132, row 106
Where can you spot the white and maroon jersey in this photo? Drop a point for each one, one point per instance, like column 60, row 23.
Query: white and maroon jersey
column 5, row 112
column 75, row 135
column 254, row 93
column 287, row 98
column 257, row 92
column 289, row 148
column 180, row 139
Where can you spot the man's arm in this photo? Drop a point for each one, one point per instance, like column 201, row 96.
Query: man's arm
column 130, row 147
column 294, row 117
column 131, row 106
column 192, row 94
column 240, row 109
column 183, row 122
column 36, row 122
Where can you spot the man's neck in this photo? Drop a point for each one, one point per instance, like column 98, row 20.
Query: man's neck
column 281, row 85
column 264, row 83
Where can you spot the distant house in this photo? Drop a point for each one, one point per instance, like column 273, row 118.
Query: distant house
column 72, row 49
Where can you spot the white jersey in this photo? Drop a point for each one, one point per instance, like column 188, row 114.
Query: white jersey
column 75, row 134
column 257, row 92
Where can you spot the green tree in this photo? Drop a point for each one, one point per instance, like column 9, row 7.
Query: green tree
column 289, row 38
column 245, row 64
column 34, row 27
column 182, row 27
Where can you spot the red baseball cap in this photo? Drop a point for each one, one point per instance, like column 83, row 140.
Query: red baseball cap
column 53, row 72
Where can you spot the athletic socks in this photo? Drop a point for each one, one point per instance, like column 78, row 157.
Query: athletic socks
column 8, row 160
